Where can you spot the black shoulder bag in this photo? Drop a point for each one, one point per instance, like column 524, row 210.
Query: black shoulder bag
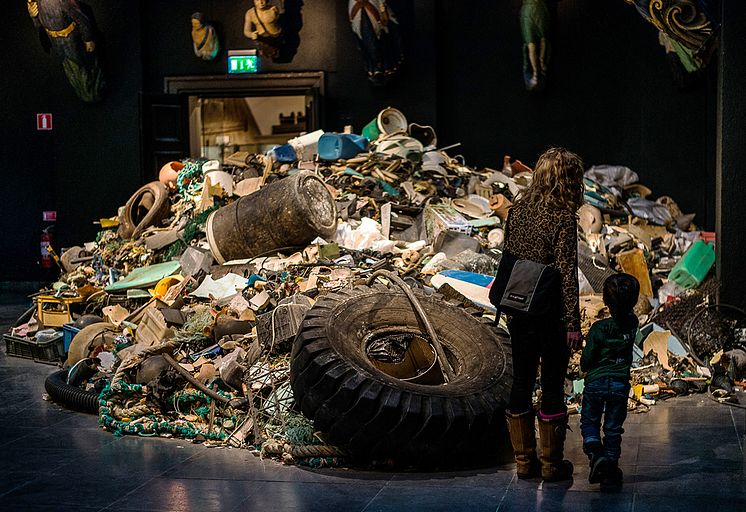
column 524, row 288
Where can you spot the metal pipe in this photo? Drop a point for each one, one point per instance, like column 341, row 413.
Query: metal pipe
column 197, row 384
column 448, row 374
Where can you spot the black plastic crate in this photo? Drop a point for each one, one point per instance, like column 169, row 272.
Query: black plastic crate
column 18, row 347
column 51, row 351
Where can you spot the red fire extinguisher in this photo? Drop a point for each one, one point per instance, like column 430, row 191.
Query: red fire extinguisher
column 47, row 238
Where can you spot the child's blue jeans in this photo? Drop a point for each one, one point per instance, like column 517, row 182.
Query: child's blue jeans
column 607, row 397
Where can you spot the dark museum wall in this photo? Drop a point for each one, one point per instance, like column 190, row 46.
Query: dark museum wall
column 611, row 98
column 89, row 163
column 327, row 44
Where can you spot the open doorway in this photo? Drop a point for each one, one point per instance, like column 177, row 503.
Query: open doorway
column 216, row 116
column 222, row 126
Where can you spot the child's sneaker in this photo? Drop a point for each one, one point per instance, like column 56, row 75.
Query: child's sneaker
column 600, row 467
column 612, row 477
column 593, row 449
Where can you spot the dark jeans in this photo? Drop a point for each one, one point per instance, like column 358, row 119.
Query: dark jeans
column 534, row 341
column 607, row 397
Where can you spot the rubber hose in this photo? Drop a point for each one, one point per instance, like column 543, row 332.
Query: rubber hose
column 70, row 396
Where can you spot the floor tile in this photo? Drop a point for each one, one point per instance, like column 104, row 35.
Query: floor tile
column 133, row 456
column 59, row 436
column 674, row 413
column 560, row 500
column 174, row 495
column 686, row 480
column 310, row 497
column 494, row 477
column 177, row 495
column 12, row 479
column 236, row 464
column 401, row 497
column 8, row 434
column 69, row 489
column 58, row 507
column 652, row 503
column 721, row 452
column 27, row 457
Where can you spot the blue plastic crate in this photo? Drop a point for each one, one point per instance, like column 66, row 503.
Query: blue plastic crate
column 69, row 331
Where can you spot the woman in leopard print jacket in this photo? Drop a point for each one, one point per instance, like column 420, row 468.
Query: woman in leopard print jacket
column 542, row 227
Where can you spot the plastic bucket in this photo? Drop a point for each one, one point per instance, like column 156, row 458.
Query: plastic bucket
column 388, row 120
column 419, row 364
column 223, row 179
column 287, row 213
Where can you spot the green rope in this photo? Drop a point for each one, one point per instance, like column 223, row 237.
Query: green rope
column 101, row 234
column 191, row 230
column 299, row 430
column 192, row 332
column 152, row 425
column 321, row 462
column 203, row 411
column 189, row 178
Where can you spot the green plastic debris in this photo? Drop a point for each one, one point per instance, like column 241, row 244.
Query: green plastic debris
column 145, row 276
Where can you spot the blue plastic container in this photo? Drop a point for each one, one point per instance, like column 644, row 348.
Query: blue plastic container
column 284, row 153
column 333, row 146
column 68, row 331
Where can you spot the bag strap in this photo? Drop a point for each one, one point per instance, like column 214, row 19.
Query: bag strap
column 506, row 228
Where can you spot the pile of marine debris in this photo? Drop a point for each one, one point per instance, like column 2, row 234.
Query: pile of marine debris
column 181, row 314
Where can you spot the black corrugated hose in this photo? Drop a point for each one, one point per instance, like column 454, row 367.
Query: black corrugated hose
column 71, row 397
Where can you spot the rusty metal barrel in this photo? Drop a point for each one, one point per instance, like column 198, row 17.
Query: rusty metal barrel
column 286, row 213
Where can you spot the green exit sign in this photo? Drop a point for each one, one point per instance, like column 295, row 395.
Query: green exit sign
column 242, row 64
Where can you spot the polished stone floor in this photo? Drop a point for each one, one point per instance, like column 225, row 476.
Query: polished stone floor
column 684, row 455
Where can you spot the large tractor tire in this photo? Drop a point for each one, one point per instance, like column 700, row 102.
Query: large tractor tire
column 409, row 416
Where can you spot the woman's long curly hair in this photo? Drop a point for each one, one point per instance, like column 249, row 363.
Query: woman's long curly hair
column 557, row 180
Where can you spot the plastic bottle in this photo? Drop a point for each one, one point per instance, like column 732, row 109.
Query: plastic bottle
column 303, row 147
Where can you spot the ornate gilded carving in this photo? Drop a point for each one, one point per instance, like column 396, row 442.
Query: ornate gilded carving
column 685, row 21
column 686, row 28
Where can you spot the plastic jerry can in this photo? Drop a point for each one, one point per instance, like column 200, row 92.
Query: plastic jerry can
column 693, row 267
column 333, row 146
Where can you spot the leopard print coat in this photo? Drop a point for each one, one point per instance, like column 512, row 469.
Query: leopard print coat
column 548, row 235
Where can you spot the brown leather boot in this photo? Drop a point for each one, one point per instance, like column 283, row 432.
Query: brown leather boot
column 523, row 438
column 552, row 432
